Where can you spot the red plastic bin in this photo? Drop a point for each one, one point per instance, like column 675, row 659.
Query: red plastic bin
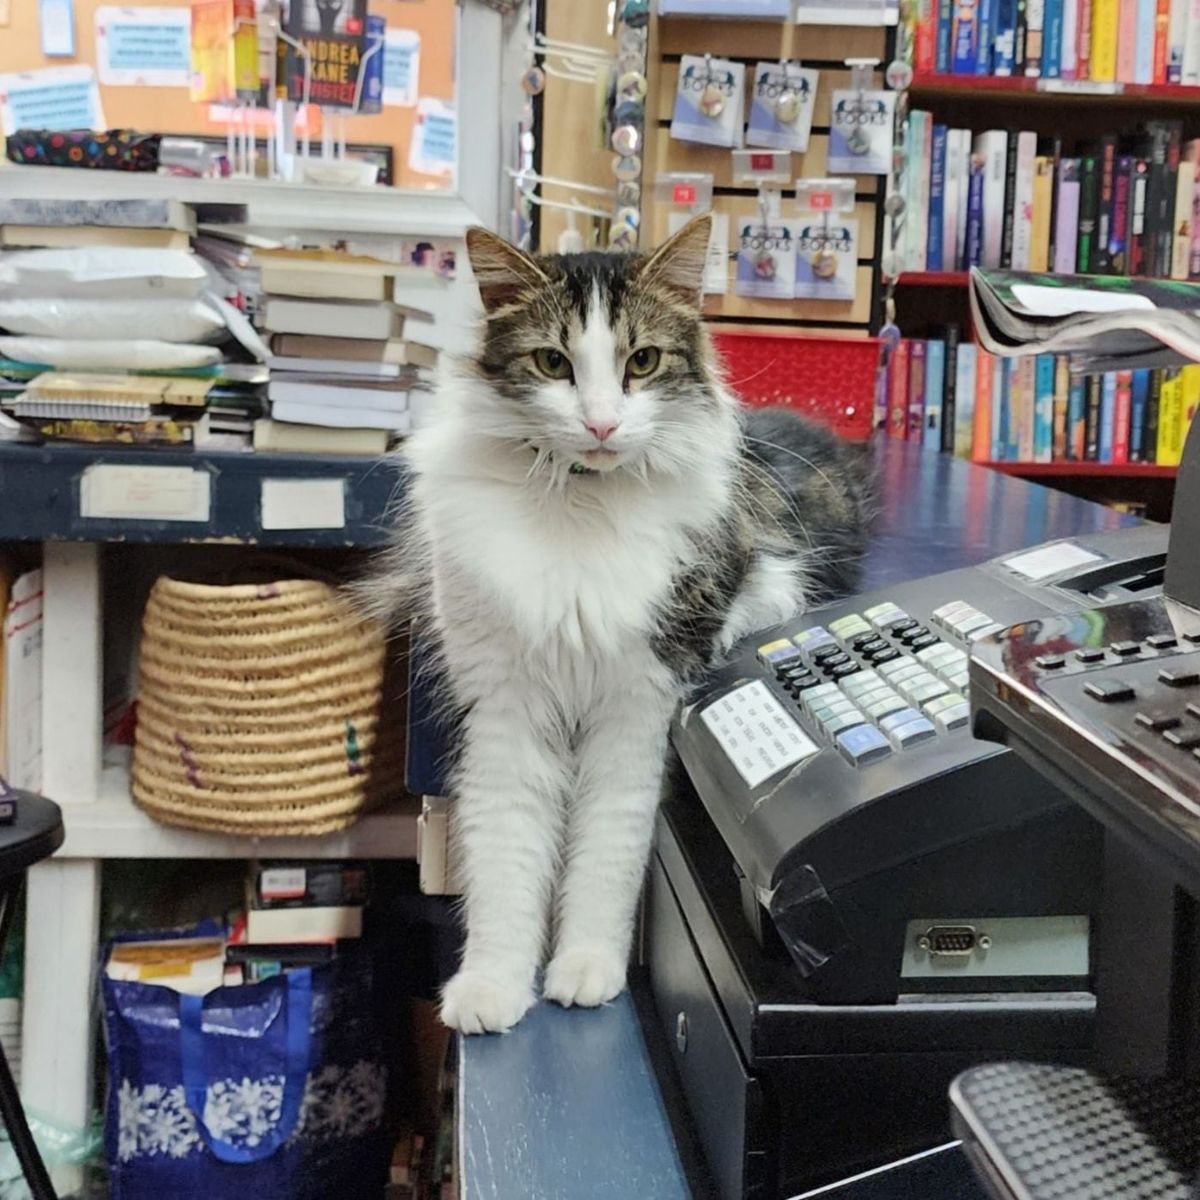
column 830, row 379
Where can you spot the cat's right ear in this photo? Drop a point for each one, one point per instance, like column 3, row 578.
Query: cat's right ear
column 502, row 271
column 678, row 264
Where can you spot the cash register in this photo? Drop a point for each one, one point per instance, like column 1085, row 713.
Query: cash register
column 852, row 897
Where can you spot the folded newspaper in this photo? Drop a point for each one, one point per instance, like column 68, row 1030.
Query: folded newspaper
column 1104, row 322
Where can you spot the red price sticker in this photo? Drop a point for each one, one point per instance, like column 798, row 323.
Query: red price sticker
column 820, row 200
column 762, row 162
column 683, row 193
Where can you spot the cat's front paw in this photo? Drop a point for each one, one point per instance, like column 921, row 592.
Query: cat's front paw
column 585, row 976
column 473, row 1002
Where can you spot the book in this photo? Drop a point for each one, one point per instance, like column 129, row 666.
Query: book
column 991, row 147
column 922, row 131
column 1039, row 232
column 950, row 240
column 334, row 389
column 1035, row 16
column 1164, row 145
column 282, row 437
column 1176, row 36
column 1169, row 448
column 1127, row 37
column 329, row 275
column 1145, row 28
column 335, row 37
column 1114, row 323
column 1122, row 415
column 338, row 366
column 1189, row 74
column 981, row 434
column 1089, row 208
column 1003, row 43
column 1076, row 405
column 1062, row 395
column 1093, row 403
column 393, row 351
column 1083, row 41
column 942, row 39
column 1023, row 201
column 1105, row 17
column 1162, row 18
column 897, row 412
column 1182, row 218
column 935, row 391
column 115, row 431
column 190, row 966
column 1043, row 409
column 342, row 416
column 973, row 244
column 916, row 390
column 1066, row 230
column 987, row 30
column 1136, row 256
column 1011, row 205
column 22, row 684
column 72, row 236
column 937, row 190
column 1118, row 226
column 1108, row 407
column 310, row 924
column 142, row 214
column 1139, row 395
column 1052, row 39
column 1001, row 374
column 1106, row 164
column 1070, row 40
column 1193, row 156
column 351, row 319
column 1150, row 421
column 1190, row 376
column 964, row 37
column 1019, row 38
column 1024, row 412
column 964, row 398
column 293, row 884
column 949, row 389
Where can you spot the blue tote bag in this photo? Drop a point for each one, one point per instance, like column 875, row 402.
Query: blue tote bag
column 274, row 1090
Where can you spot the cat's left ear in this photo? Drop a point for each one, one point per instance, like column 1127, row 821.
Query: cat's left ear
column 502, row 272
column 678, row 264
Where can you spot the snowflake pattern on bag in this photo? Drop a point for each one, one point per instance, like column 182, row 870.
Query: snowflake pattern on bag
column 340, row 1103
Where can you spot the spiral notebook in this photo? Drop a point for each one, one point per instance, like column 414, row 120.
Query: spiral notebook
column 58, row 395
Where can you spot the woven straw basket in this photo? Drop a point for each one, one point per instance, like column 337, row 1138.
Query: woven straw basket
column 259, row 709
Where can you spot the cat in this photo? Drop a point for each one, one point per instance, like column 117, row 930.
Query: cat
column 590, row 519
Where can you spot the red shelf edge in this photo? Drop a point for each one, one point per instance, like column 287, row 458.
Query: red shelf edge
column 952, row 279
column 1064, row 470
column 1023, row 84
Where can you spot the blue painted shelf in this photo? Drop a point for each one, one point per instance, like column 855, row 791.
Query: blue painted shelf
column 40, row 499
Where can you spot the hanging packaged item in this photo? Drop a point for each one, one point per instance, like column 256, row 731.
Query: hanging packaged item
column 766, row 258
column 781, row 106
column 861, row 128
column 687, row 194
column 334, row 40
column 708, row 101
column 826, row 240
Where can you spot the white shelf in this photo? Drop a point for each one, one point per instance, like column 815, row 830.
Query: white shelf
column 380, row 210
column 114, row 827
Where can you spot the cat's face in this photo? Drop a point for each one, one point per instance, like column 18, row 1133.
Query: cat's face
column 598, row 359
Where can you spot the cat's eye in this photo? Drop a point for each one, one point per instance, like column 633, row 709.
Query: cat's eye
column 643, row 362
column 554, row 364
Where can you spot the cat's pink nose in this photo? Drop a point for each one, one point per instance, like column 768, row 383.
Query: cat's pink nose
column 600, row 430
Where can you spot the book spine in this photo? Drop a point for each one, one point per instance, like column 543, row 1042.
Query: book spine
column 1108, row 406
column 937, row 197
column 1095, row 395
column 963, row 158
column 1166, row 204
column 1076, row 411
column 973, row 253
column 1062, row 396
column 1005, row 37
column 1160, row 193
column 1089, row 204
column 1043, row 408
column 964, row 391
column 1139, row 394
column 1146, row 23
column 916, row 389
column 1104, row 40
column 950, row 389
column 1122, row 416
column 1176, row 37
column 924, row 49
column 1150, row 421
column 1040, row 224
column 935, row 392
column 981, row 433
column 1190, row 71
column 1027, row 425
column 1136, row 257
column 942, row 45
column 1190, row 382
column 1083, row 41
column 1182, row 219
column 1101, row 262
column 1001, row 373
column 1127, row 39
column 987, row 32
column 1170, row 418
column 897, row 419
column 1035, row 25
column 1010, row 200
column 965, row 37
column 1020, row 38
column 1066, row 224
column 1070, row 39
column 952, row 200
column 1023, row 219
column 1052, row 39
column 993, row 146
column 1118, row 230
column 1194, row 248
column 1162, row 18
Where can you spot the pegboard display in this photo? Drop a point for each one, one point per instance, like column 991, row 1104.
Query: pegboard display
column 825, row 48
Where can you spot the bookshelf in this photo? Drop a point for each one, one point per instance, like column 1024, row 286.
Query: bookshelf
column 1082, row 470
column 1017, row 89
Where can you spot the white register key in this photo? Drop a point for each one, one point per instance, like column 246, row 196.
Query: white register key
column 756, row 732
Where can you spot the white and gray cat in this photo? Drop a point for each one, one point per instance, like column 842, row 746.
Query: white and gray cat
column 589, row 520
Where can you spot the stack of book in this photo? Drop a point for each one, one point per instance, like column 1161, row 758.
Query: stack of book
column 68, row 224
column 957, row 397
column 1101, row 41
column 296, row 913
column 342, row 370
column 1118, row 205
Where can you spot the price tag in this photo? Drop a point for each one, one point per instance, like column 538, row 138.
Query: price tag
column 683, row 193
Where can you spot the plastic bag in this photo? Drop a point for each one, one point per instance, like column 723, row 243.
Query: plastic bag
column 108, row 272
column 59, row 1146
column 168, row 320
column 82, row 354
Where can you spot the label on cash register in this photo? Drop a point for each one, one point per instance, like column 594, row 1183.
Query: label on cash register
column 756, row 732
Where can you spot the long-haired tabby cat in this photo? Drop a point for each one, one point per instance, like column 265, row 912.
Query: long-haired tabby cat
column 590, row 519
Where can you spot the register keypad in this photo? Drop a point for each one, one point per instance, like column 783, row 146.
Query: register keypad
column 879, row 682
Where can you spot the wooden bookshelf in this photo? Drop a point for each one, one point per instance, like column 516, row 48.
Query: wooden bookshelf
column 1075, row 470
column 1019, row 88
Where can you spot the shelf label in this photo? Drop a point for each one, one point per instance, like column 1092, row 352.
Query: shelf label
column 117, row 492
column 1080, row 87
column 303, row 504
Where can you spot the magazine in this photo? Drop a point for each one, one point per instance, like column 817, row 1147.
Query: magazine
column 1105, row 322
